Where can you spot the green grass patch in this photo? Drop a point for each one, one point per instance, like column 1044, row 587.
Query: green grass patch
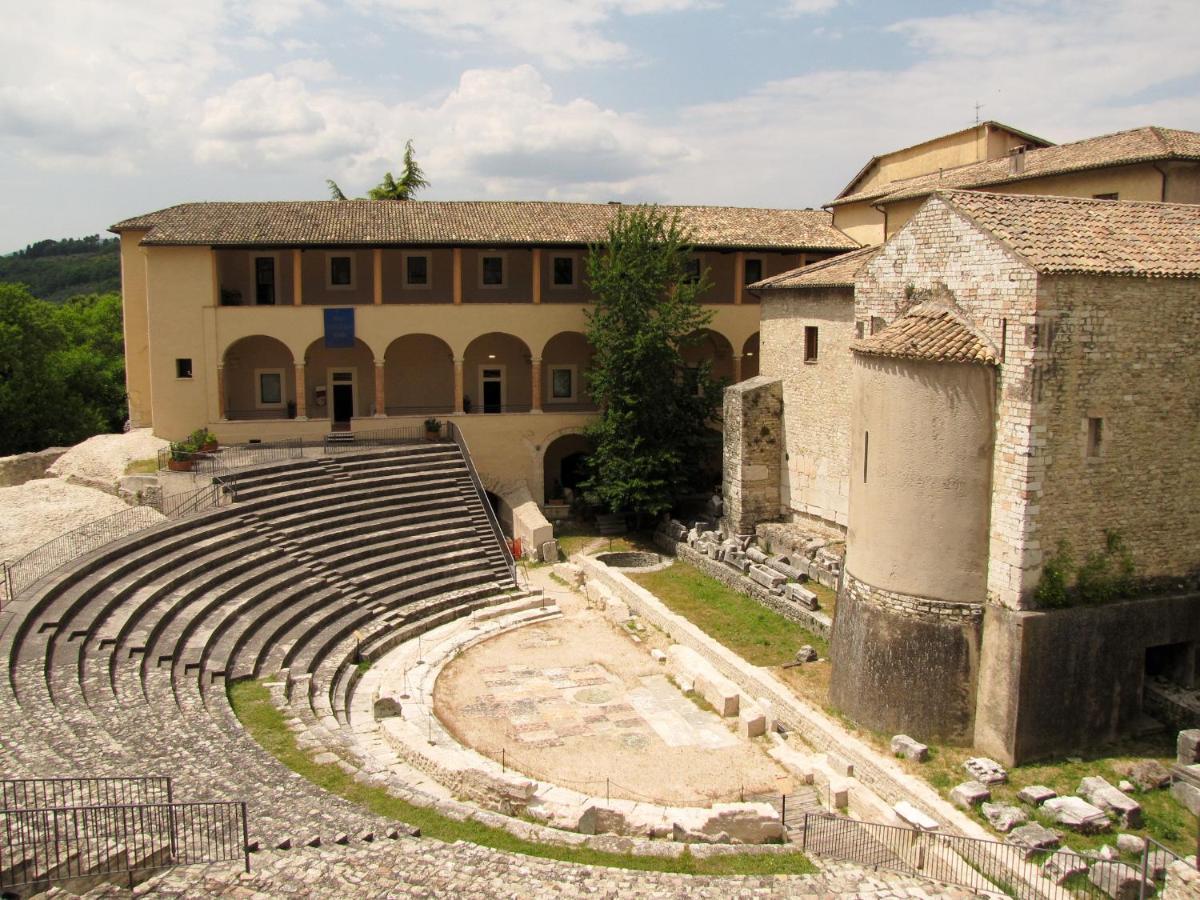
column 142, row 466
column 252, row 704
column 759, row 635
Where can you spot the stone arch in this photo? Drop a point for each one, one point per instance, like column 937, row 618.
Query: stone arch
column 711, row 346
column 566, row 359
column 418, row 376
column 750, row 357
column 258, row 379
column 562, row 459
column 320, row 363
column 507, row 354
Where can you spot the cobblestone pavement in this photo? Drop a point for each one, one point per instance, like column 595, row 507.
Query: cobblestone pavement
column 428, row 869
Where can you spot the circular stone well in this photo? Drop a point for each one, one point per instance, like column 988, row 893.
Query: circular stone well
column 630, row 559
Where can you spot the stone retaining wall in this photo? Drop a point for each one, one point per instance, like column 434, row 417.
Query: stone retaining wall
column 25, row 467
column 815, row 621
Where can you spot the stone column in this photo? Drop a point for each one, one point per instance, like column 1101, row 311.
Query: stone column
column 458, row 384
column 221, row 393
column 297, row 278
column 301, row 394
column 535, row 384
column 737, row 367
column 753, row 437
column 377, row 275
column 380, row 397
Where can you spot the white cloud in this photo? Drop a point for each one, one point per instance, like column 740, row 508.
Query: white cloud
column 809, row 7
column 561, row 34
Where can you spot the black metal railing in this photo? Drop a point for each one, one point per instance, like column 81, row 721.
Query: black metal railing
column 488, row 408
column 974, row 863
column 208, row 496
column 231, row 458
column 438, row 409
column 456, row 435
column 39, row 793
column 349, row 441
column 43, row 845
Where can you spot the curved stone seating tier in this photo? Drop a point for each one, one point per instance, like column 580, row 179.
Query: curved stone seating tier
column 117, row 663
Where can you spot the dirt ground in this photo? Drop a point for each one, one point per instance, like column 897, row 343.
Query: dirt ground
column 575, row 701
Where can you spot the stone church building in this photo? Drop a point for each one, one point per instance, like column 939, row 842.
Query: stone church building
column 1004, row 390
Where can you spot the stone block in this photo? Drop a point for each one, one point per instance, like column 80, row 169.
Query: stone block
column 549, row 551
column 840, row 764
column 1077, row 814
column 807, row 654
column 717, row 690
column 1062, row 865
column 903, row 745
column 724, row 823
column 1002, row 817
column 658, row 656
column 1119, row 881
column 784, row 568
column 1146, row 774
column 1187, row 796
column 737, row 559
column 970, row 794
column 693, row 537
column 1187, row 747
column 798, row 593
column 1036, row 794
column 839, row 793
column 1100, row 793
column 751, row 720
column 1033, row 838
column 910, row 815
column 1131, row 843
column 756, row 555
column 769, row 579
column 985, row 770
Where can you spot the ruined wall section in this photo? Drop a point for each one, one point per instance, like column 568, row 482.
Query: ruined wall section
column 753, row 441
column 942, row 253
column 816, row 397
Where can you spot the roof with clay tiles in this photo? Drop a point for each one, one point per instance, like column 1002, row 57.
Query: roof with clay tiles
column 837, row 271
column 1058, row 235
column 466, row 223
column 932, row 332
column 1148, row 144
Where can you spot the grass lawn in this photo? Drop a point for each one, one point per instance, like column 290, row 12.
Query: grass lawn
column 252, row 703
column 573, row 537
column 142, row 466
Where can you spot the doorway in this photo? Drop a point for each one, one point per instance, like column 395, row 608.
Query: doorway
column 491, row 388
column 264, row 281
column 341, row 384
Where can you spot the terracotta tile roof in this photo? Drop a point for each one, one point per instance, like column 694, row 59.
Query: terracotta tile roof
column 990, row 123
column 1149, row 144
column 929, row 331
column 837, row 271
column 1104, row 237
column 481, row 223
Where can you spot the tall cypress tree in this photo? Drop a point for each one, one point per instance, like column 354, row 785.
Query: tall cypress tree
column 653, row 436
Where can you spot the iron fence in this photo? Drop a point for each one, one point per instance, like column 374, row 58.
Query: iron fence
column 44, row 845
column 350, row 441
column 41, row 793
column 457, row 436
column 980, row 865
column 232, row 457
column 209, row 496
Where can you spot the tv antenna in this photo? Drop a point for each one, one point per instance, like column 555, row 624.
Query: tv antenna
column 978, row 107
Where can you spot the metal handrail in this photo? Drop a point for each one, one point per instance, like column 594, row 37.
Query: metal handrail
column 457, row 436
column 32, row 793
column 56, row 843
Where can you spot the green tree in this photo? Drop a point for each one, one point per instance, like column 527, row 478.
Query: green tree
column 411, row 180
column 652, row 438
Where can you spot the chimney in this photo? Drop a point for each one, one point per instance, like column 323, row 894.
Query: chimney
column 1016, row 160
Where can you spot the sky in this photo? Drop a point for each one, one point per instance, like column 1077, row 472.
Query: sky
column 110, row 109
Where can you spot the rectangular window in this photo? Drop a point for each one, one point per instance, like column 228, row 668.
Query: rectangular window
column 1095, row 435
column 810, row 343
column 416, row 270
column 753, row 271
column 264, row 281
column 877, row 324
column 341, row 271
column 1113, row 196
column 270, row 387
column 563, row 274
column 562, row 383
column 183, row 368
column 691, row 270
column 491, row 270
column 860, row 329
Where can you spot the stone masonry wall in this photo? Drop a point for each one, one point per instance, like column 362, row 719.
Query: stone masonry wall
column 816, row 397
column 941, row 251
column 753, row 440
column 1126, row 351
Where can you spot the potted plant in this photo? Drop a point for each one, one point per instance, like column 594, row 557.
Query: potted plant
column 433, row 429
column 204, row 440
column 181, row 458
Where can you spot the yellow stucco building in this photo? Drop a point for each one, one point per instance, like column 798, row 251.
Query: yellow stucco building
column 263, row 321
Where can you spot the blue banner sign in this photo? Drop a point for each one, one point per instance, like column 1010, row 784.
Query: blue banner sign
column 339, row 328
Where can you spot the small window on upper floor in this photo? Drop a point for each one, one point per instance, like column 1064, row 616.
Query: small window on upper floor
column 1112, row 196
column 753, row 271
column 183, row 368
column 491, row 270
column 341, row 271
column 860, row 329
column 877, row 324
column 562, row 271
column 691, row 270
column 416, row 270
column 1095, row 437
column 810, row 343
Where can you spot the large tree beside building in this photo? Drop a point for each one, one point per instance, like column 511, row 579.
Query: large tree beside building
column 652, row 438
column 411, row 180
